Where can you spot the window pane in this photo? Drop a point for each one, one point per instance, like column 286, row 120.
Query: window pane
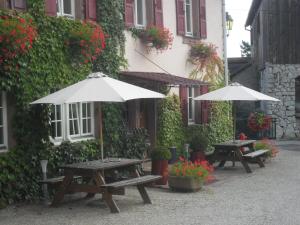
column 67, row 7
column 76, row 128
column 70, row 111
column 52, row 115
column 89, row 129
column 190, row 108
column 190, row 92
column 53, row 128
column 1, row 136
column 84, row 126
column 1, row 116
column 139, row 8
column 74, row 110
column 71, row 127
column 89, row 105
column 58, row 124
column 188, row 18
column 84, row 105
column 58, row 112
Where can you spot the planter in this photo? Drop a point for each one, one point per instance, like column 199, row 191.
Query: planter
column 184, row 184
column 160, row 167
column 197, row 156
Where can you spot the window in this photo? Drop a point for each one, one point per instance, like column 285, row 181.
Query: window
column 72, row 122
column 140, row 13
column 65, row 8
column 3, row 121
column 188, row 18
column 191, row 105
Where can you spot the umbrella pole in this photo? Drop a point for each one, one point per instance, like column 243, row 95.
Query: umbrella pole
column 233, row 120
column 101, row 131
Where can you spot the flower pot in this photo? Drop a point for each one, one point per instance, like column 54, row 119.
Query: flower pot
column 197, row 156
column 160, row 167
column 185, row 184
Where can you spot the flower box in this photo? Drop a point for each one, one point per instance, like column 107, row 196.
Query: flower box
column 185, row 184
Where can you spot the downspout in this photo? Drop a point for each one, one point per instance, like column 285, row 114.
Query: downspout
column 225, row 43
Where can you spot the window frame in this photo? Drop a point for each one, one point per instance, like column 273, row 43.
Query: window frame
column 136, row 14
column 4, row 146
column 191, row 120
column 188, row 33
column 58, row 139
column 60, row 10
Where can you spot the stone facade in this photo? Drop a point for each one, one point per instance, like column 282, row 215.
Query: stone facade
column 279, row 81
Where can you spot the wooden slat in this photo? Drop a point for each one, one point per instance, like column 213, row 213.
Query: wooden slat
column 256, row 153
column 133, row 181
column 55, row 180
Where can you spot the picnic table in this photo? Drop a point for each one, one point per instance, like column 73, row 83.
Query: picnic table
column 239, row 150
column 92, row 173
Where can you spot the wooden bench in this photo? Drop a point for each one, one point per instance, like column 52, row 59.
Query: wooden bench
column 56, row 180
column 256, row 153
column 140, row 182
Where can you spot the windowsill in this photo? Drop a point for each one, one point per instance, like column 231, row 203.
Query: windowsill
column 191, row 123
column 3, row 149
column 191, row 40
column 71, row 139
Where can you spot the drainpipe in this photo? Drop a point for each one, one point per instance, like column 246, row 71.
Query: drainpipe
column 225, row 43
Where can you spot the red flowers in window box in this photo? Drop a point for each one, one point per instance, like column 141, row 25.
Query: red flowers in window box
column 158, row 37
column 17, row 35
column 259, row 121
column 86, row 41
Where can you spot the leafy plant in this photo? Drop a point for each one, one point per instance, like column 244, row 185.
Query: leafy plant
column 198, row 170
column 245, row 49
column 208, row 65
column 170, row 126
column 161, row 153
column 199, row 143
column 160, row 38
column 267, row 144
column 258, row 121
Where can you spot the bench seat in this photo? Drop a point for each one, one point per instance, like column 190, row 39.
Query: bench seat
column 256, row 153
column 56, row 180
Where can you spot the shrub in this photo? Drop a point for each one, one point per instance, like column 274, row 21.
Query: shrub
column 267, row 144
column 161, row 153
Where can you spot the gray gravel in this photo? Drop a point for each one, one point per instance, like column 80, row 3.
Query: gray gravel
column 267, row 196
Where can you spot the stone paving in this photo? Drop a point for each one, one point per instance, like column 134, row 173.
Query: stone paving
column 268, row 196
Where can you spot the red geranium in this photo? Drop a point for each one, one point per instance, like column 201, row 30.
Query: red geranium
column 259, row 121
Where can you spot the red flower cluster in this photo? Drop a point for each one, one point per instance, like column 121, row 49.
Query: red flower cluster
column 160, row 37
column 200, row 169
column 259, row 121
column 86, row 41
column 16, row 36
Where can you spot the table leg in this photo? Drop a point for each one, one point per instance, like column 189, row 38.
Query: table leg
column 260, row 162
column 59, row 195
column 144, row 194
column 107, row 197
column 244, row 162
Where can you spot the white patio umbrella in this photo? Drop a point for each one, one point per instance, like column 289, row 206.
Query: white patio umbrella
column 235, row 92
column 98, row 87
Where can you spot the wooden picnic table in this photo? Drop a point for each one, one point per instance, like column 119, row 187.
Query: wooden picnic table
column 232, row 151
column 92, row 172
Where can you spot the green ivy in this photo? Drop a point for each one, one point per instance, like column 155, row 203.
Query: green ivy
column 45, row 68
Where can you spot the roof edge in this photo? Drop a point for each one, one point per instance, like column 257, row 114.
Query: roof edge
column 253, row 9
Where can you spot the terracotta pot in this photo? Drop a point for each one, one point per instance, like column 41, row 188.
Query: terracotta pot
column 184, row 184
column 197, row 156
column 160, row 167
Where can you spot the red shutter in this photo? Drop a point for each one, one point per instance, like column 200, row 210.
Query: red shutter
column 129, row 13
column 90, row 10
column 184, row 103
column 204, row 106
column 158, row 13
column 198, row 108
column 19, row 4
column 50, row 7
column 180, row 17
column 202, row 19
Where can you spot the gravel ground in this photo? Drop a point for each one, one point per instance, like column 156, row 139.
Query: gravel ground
column 268, row 196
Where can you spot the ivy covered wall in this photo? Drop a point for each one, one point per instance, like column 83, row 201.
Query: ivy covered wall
column 47, row 66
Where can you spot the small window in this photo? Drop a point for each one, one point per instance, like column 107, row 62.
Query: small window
column 191, row 105
column 3, row 122
column 140, row 13
column 56, row 122
column 86, row 119
column 65, row 8
column 74, row 119
column 188, row 18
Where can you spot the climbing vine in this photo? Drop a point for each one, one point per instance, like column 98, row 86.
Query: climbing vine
column 45, row 67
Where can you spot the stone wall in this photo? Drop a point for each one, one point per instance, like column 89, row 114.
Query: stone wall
column 279, row 81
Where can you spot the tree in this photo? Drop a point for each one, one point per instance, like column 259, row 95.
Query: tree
column 245, row 49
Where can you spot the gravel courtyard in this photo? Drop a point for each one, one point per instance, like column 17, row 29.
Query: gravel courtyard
column 269, row 196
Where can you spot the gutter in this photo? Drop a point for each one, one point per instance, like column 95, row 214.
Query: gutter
column 225, row 43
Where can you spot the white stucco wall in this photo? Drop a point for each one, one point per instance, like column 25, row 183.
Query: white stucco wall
column 174, row 60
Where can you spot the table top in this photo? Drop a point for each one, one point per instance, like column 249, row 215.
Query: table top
column 110, row 163
column 235, row 143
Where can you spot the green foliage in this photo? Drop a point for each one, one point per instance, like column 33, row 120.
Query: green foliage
column 197, row 137
column 45, row 68
column 245, row 49
column 170, row 132
column 161, row 153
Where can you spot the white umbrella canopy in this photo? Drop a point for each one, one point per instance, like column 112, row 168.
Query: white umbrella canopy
column 98, row 87
column 235, row 92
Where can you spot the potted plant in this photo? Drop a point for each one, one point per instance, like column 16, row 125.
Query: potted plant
column 198, row 146
column 157, row 37
column 267, row 144
column 188, row 176
column 160, row 157
column 258, row 121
